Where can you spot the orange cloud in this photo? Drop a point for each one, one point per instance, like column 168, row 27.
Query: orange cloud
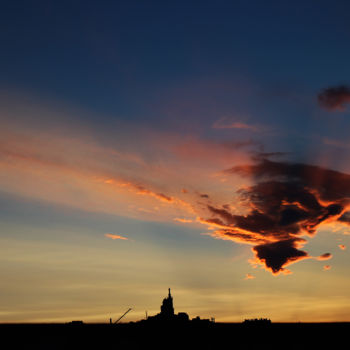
column 139, row 189
column 142, row 190
column 248, row 276
column 342, row 246
column 114, row 236
column 327, row 267
column 183, row 220
column 325, row 256
column 57, row 164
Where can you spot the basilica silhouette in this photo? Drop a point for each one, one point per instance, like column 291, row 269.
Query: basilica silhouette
column 167, row 312
column 167, row 308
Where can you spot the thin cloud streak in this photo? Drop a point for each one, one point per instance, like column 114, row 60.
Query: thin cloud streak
column 115, row 236
column 225, row 123
column 336, row 143
column 183, row 221
column 248, row 276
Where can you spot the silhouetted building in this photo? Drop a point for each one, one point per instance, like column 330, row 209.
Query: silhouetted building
column 167, row 312
column 183, row 317
column 257, row 321
column 167, row 308
column 76, row 323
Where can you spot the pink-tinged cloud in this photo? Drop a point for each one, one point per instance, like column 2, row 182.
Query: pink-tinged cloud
column 203, row 154
column 225, row 123
column 114, row 236
column 248, row 276
column 140, row 189
column 106, row 178
column 342, row 246
column 325, row 256
column 327, row 267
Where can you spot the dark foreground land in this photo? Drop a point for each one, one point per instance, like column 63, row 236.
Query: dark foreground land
column 180, row 336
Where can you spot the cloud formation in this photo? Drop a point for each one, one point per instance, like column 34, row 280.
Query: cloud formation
column 182, row 220
column 325, row 256
column 278, row 254
column 334, row 98
column 140, row 189
column 285, row 202
column 249, row 276
column 345, row 218
column 114, row 236
column 225, row 123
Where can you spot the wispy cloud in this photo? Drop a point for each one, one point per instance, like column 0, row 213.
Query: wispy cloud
column 115, row 236
column 336, row 143
column 226, row 123
column 140, row 189
column 325, row 256
column 249, row 276
column 184, row 221
column 334, row 98
column 107, row 178
column 203, row 153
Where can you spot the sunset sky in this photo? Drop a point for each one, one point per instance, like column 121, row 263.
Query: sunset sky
column 198, row 145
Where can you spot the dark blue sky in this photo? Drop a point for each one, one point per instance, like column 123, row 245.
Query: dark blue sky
column 146, row 60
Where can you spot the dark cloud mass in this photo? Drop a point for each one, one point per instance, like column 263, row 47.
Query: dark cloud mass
column 276, row 255
column 345, row 218
column 287, row 200
column 334, row 98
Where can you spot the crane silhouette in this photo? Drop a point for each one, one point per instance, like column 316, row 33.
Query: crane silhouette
column 122, row 316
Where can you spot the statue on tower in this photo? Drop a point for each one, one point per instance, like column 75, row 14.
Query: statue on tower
column 167, row 308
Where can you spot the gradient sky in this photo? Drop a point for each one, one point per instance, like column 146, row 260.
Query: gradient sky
column 197, row 145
